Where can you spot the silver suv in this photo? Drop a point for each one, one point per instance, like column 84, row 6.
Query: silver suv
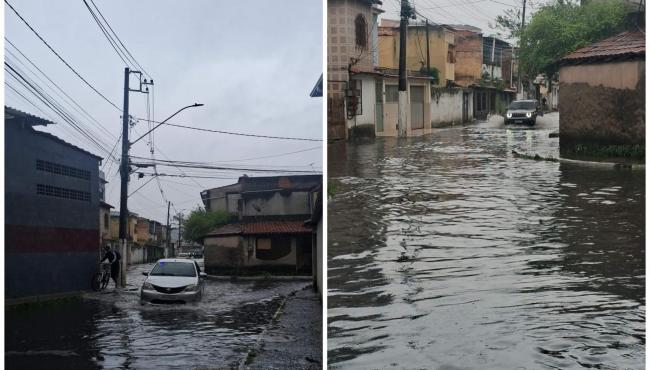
column 522, row 111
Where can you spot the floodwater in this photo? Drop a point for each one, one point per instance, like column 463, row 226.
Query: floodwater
column 108, row 330
column 448, row 252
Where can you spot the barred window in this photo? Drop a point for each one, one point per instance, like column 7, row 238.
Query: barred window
column 361, row 32
column 57, row 192
column 60, row 169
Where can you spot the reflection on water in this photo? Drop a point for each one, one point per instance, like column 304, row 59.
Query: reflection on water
column 112, row 331
column 448, row 252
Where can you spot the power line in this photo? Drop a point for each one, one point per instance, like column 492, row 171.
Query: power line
column 60, row 57
column 209, row 167
column 108, row 37
column 119, row 40
column 236, row 133
column 79, row 108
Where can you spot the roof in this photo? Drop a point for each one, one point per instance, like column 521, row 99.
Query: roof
column 261, row 228
column 15, row 116
column 105, row 205
column 317, row 91
column 625, row 45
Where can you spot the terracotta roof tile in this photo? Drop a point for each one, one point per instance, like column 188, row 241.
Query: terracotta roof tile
column 262, row 227
column 626, row 44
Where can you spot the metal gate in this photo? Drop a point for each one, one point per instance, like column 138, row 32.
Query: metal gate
column 417, row 107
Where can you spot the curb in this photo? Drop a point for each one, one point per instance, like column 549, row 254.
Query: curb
column 609, row 165
column 258, row 343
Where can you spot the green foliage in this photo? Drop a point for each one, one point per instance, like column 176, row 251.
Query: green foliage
column 508, row 25
column 561, row 27
column 200, row 222
column 433, row 72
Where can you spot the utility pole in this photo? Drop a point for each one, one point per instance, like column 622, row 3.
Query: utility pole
column 124, row 178
column 494, row 40
column 428, row 58
column 402, row 103
column 180, row 223
column 125, row 171
column 167, row 236
column 521, row 31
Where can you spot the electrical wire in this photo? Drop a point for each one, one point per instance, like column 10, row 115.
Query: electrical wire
column 60, row 57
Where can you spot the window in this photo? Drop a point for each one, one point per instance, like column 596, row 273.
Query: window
column 105, row 220
column 392, row 94
column 361, row 32
column 60, row 169
column 272, row 248
column 451, row 54
column 57, row 192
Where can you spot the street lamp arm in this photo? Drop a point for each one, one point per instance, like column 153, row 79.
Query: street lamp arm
column 167, row 119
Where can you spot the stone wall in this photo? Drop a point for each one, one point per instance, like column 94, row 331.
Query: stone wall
column 602, row 105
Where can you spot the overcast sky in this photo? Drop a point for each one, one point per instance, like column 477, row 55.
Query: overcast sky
column 252, row 63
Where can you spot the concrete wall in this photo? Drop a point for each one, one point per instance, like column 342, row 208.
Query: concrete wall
column 277, row 203
column 341, row 47
column 447, row 106
column 51, row 243
column 439, row 42
column 222, row 252
column 219, row 199
column 319, row 256
column 602, row 104
column 366, row 120
column 469, row 57
column 391, row 110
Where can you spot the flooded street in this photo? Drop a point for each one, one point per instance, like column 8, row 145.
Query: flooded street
column 107, row 330
column 448, row 252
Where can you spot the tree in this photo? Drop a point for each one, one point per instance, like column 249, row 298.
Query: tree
column 508, row 24
column 559, row 28
column 200, row 222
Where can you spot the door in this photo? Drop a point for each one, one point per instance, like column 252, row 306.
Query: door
column 417, row 107
column 379, row 105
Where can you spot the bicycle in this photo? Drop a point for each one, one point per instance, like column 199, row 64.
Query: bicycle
column 102, row 278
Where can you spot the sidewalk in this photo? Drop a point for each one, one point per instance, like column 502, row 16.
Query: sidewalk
column 294, row 339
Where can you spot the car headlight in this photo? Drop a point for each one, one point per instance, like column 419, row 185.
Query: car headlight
column 192, row 288
column 529, row 114
column 147, row 286
column 509, row 115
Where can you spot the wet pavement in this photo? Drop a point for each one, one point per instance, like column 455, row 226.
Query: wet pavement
column 111, row 330
column 448, row 252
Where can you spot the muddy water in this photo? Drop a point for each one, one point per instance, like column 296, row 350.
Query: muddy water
column 110, row 331
column 447, row 252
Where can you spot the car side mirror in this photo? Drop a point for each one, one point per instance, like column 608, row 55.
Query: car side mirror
column 145, row 273
column 203, row 274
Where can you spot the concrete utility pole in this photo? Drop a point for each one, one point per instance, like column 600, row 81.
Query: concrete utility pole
column 428, row 58
column 520, row 87
column 494, row 40
column 124, row 177
column 125, row 171
column 167, row 231
column 402, row 103
column 180, row 223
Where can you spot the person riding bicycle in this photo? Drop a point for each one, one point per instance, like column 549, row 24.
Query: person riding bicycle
column 114, row 258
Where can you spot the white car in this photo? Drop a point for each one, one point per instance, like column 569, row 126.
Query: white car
column 173, row 280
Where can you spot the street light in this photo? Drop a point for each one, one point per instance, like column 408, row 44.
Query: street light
column 167, row 119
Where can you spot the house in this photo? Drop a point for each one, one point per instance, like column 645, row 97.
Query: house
column 48, row 252
column 267, row 232
column 441, row 49
column 351, row 43
column 145, row 238
column 602, row 94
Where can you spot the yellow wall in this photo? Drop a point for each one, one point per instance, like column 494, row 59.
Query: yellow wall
column 439, row 41
column 115, row 227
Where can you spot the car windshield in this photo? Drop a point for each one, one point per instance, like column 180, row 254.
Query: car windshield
column 173, row 269
column 522, row 104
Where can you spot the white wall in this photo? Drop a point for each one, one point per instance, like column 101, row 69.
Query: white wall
column 367, row 102
column 293, row 203
column 447, row 107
